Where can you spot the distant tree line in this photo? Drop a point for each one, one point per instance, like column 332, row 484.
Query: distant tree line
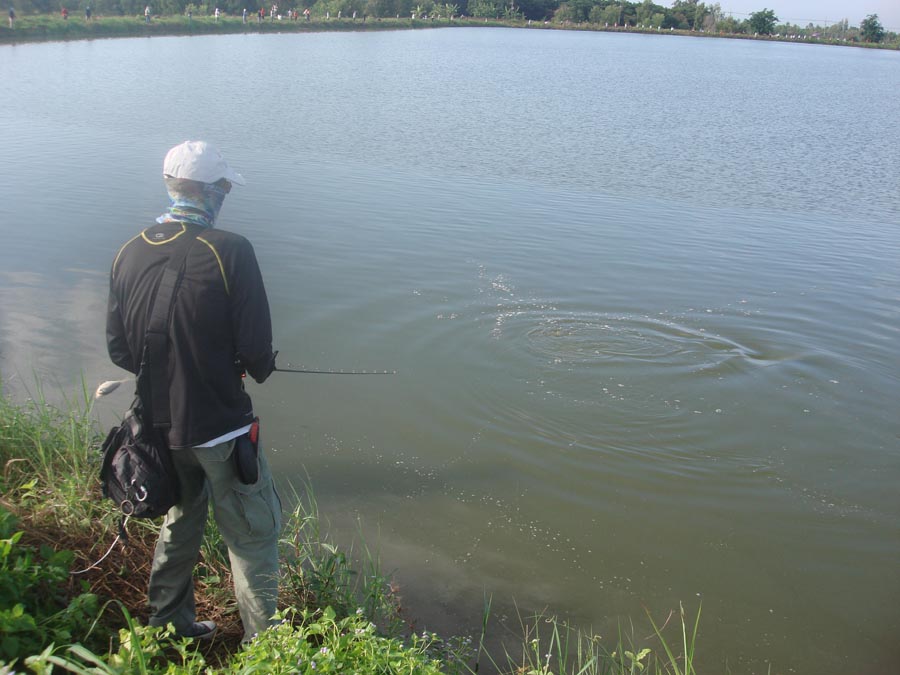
column 691, row 15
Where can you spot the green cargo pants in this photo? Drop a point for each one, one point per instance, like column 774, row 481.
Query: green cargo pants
column 249, row 519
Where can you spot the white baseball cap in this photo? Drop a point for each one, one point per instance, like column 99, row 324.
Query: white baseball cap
column 200, row 161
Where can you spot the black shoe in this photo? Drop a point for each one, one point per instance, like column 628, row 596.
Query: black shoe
column 199, row 630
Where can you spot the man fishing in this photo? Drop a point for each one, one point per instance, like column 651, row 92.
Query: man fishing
column 219, row 316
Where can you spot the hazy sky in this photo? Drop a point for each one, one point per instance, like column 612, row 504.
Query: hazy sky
column 801, row 12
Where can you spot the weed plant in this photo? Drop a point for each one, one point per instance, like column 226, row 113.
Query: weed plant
column 549, row 645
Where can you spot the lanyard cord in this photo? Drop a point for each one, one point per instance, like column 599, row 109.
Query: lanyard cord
column 105, row 555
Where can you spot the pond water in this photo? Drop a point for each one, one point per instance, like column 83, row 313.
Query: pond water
column 641, row 293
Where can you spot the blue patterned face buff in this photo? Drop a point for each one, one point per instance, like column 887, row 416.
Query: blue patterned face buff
column 194, row 202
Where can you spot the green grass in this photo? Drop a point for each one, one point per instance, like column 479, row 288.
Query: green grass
column 48, row 455
column 339, row 610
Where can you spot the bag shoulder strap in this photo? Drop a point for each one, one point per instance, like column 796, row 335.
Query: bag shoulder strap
column 156, row 341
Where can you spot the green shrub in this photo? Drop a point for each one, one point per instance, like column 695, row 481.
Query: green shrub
column 311, row 642
column 139, row 650
column 35, row 609
column 321, row 643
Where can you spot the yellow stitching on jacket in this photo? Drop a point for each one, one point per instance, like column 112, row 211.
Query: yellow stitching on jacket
column 219, row 260
column 124, row 246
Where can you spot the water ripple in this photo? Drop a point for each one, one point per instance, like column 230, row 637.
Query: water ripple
column 619, row 339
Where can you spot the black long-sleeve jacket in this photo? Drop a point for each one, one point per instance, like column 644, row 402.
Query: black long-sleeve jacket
column 220, row 313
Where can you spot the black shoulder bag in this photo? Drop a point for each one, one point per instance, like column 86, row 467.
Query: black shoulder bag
column 137, row 472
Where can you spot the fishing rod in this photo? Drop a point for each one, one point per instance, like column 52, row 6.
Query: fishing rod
column 110, row 386
column 332, row 371
column 335, row 372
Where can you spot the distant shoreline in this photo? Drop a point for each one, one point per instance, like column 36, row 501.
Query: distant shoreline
column 49, row 28
column 52, row 28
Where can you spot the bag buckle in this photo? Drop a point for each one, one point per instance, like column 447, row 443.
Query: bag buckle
column 140, row 491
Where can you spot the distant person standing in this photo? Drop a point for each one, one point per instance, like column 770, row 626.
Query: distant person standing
column 244, row 15
column 87, row 13
column 12, row 16
column 147, row 14
column 65, row 13
column 217, row 14
column 260, row 14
